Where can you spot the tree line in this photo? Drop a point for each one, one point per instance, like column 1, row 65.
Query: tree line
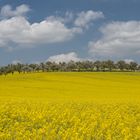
column 81, row 66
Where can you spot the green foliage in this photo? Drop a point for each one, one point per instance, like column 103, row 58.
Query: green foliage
column 83, row 66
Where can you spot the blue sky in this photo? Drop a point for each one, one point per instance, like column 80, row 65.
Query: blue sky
column 35, row 31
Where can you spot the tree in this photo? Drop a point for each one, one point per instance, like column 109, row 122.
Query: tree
column 63, row 66
column 71, row 66
column 133, row 66
column 27, row 69
column 97, row 65
column 88, row 65
column 18, row 67
column 110, row 64
column 121, row 65
column 103, row 65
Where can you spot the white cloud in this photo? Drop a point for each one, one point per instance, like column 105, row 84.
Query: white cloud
column 119, row 40
column 84, row 18
column 21, row 10
column 16, row 62
column 19, row 31
column 72, row 56
column 128, row 61
column 66, row 18
column 16, row 30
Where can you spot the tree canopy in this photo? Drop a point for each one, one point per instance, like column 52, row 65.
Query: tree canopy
column 81, row 66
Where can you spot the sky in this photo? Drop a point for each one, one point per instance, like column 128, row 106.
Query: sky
column 50, row 30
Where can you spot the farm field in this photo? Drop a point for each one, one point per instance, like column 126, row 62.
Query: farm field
column 70, row 106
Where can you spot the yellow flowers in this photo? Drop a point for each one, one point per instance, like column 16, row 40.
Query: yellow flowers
column 70, row 106
column 76, row 124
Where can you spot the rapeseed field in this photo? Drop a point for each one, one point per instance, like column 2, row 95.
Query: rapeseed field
column 70, row 106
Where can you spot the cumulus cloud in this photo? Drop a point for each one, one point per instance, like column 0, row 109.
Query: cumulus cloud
column 84, row 18
column 66, row 18
column 7, row 11
column 119, row 40
column 16, row 62
column 19, row 31
column 128, row 61
column 72, row 56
